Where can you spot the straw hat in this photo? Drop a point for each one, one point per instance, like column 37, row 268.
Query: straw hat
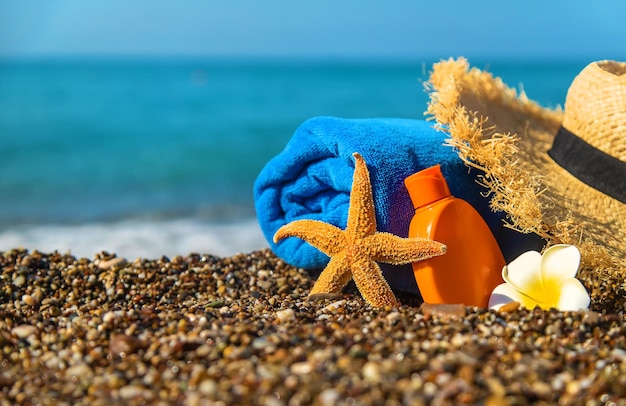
column 558, row 173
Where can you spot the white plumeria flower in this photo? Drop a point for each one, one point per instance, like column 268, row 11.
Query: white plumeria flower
column 547, row 281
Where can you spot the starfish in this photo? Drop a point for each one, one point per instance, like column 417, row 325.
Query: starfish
column 354, row 251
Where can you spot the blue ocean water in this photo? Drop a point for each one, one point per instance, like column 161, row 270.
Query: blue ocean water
column 151, row 157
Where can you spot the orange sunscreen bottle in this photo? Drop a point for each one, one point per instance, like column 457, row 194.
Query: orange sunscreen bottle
column 472, row 265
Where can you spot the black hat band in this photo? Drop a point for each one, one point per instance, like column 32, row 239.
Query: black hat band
column 596, row 168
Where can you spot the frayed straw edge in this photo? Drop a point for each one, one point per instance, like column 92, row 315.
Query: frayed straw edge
column 512, row 190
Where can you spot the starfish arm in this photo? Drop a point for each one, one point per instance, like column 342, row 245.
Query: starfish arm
column 334, row 277
column 389, row 248
column 323, row 236
column 371, row 283
column 361, row 214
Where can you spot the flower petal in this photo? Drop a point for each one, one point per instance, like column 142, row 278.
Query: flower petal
column 574, row 296
column 524, row 273
column 506, row 293
column 560, row 262
column 501, row 295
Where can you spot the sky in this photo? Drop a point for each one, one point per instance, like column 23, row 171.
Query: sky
column 406, row 29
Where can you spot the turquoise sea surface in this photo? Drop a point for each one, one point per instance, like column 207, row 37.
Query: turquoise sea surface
column 152, row 157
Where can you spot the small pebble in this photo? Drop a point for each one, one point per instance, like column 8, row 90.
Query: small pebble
column 122, row 345
column 6, row 381
column 329, row 397
column 108, row 264
column 286, row 315
column 19, row 281
column 23, row 331
column 27, row 261
column 79, row 371
column 301, row 368
column 509, row 307
column 333, row 307
column 132, row 392
column 444, row 310
column 372, row 372
column 29, row 300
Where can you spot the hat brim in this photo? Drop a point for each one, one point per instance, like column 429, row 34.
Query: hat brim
column 507, row 136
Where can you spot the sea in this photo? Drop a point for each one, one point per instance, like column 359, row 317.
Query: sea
column 153, row 157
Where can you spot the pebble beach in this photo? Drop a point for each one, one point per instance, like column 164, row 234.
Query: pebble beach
column 206, row 330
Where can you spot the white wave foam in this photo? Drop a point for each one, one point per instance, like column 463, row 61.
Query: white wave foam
column 139, row 238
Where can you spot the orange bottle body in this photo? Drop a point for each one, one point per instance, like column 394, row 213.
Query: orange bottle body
column 472, row 265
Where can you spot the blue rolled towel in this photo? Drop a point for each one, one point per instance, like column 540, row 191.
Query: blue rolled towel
column 312, row 177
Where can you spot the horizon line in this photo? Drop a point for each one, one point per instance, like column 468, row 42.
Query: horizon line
column 75, row 57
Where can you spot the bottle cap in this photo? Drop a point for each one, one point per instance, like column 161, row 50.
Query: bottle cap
column 427, row 186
